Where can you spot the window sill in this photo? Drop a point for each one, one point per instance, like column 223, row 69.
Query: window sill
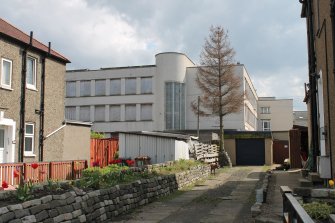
column 29, row 155
column 32, row 88
column 6, row 88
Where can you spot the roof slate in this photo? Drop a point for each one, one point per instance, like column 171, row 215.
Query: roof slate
column 13, row 32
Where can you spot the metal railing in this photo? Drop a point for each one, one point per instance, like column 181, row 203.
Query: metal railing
column 59, row 170
column 293, row 212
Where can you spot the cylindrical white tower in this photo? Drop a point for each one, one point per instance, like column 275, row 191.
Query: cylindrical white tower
column 169, row 82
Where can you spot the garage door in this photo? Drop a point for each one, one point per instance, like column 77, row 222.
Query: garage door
column 250, row 152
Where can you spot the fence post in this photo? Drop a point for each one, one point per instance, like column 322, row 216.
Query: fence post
column 24, row 169
column 73, row 171
column 50, row 171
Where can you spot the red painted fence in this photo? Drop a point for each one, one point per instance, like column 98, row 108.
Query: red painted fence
column 103, row 150
column 60, row 170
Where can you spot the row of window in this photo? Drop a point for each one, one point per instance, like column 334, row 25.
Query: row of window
column 110, row 113
column 250, row 95
column 115, row 87
column 7, row 71
column 250, row 117
column 265, row 110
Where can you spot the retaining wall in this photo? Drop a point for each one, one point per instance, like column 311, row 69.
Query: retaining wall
column 99, row 205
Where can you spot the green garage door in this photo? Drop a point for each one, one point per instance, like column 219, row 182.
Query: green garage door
column 250, row 152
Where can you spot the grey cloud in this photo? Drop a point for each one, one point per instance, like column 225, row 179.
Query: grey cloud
column 267, row 34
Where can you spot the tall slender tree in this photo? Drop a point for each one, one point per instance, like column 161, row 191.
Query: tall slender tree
column 222, row 91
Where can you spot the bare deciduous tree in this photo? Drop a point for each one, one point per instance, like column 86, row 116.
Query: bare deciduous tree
column 222, row 93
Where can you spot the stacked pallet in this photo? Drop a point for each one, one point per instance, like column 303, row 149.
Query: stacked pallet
column 206, row 153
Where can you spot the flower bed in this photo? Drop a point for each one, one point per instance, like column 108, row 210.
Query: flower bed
column 100, row 197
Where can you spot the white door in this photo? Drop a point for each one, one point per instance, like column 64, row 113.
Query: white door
column 2, row 146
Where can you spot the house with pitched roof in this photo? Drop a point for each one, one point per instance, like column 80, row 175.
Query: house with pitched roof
column 31, row 98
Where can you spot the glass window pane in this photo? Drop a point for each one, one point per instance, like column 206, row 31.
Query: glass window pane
column 28, row 144
column 29, row 129
column 6, row 72
column 70, row 113
column 115, row 113
column 100, row 87
column 115, row 88
column 169, row 105
column 30, row 71
column 175, row 105
column 130, row 113
column 84, row 113
column 99, row 113
column 85, row 88
column 70, row 89
column 2, row 138
column 146, row 112
column 130, row 86
column 146, row 85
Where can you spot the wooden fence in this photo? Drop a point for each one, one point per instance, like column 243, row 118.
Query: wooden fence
column 103, row 151
column 60, row 170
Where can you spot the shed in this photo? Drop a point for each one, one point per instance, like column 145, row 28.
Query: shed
column 159, row 146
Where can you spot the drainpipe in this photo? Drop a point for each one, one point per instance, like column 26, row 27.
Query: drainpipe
column 41, row 112
column 312, row 82
column 23, row 98
column 332, row 15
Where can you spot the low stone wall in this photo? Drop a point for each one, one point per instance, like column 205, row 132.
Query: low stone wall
column 99, row 205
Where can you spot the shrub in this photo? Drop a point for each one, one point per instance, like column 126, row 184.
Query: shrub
column 317, row 210
column 97, row 135
column 178, row 166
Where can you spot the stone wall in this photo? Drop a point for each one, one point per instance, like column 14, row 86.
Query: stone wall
column 99, row 205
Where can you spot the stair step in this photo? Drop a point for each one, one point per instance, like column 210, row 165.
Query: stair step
column 314, row 177
column 305, row 183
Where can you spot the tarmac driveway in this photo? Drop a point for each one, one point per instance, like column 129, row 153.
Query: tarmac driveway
column 225, row 197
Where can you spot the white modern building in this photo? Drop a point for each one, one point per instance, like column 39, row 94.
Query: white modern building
column 150, row 98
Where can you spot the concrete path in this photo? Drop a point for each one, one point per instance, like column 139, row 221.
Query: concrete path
column 225, row 197
column 272, row 209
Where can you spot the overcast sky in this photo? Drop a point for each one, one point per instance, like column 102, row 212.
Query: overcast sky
column 269, row 36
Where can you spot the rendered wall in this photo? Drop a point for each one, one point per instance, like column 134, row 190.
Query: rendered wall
column 77, row 142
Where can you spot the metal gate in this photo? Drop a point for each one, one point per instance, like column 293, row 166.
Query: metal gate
column 250, row 152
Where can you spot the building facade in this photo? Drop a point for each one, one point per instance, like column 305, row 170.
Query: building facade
column 320, row 90
column 152, row 98
column 275, row 114
column 31, row 97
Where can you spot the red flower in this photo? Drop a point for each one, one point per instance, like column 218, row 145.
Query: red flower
column 16, row 173
column 130, row 162
column 4, row 184
column 34, row 165
column 118, row 161
column 95, row 164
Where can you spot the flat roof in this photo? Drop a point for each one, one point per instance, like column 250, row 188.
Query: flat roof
column 160, row 134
